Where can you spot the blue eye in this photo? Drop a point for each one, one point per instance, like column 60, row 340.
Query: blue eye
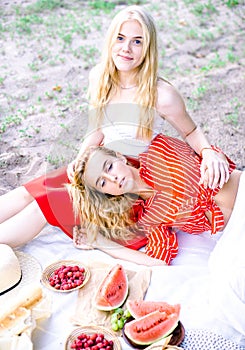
column 137, row 42
column 119, row 38
column 102, row 184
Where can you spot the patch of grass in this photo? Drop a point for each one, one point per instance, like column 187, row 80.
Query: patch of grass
column 28, row 131
column 192, row 33
column 9, row 121
column 155, row 7
column 2, row 29
column 55, row 160
column 200, row 9
column 50, row 95
column 37, row 78
column 42, row 109
column 207, row 36
column 23, row 24
column 188, row 2
column 43, row 5
column 231, row 57
column 34, row 66
column 65, row 27
column 233, row 116
column 215, row 62
column 24, row 133
column 55, row 61
column 67, row 38
column 232, row 3
column 88, row 54
column 192, row 104
column 136, row 2
column 2, row 80
column 200, row 91
column 102, row 5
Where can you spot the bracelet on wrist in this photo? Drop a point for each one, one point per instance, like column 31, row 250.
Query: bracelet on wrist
column 190, row 132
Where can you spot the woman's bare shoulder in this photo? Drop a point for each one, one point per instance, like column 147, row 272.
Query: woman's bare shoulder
column 168, row 98
column 167, row 91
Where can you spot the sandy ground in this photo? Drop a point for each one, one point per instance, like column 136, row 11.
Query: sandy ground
column 48, row 47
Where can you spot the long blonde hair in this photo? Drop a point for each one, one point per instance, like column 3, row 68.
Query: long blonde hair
column 108, row 81
column 100, row 212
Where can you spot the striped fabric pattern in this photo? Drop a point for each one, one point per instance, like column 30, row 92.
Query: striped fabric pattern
column 172, row 168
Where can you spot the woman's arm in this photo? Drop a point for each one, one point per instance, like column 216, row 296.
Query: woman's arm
column 95, row 138
column 226, row 197
column 120, row 252
column 116, row 250
column 171, row 106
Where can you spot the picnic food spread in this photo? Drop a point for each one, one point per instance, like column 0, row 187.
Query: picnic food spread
column 142, row 322
column 110, row 298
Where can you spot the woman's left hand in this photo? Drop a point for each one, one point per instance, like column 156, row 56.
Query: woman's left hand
column 214, row 169
column 80, row 239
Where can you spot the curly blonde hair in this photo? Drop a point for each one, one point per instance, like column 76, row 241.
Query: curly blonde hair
column 100, row 212
column 108, row 81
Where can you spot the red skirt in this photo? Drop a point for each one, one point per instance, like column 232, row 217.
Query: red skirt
column 54, row 201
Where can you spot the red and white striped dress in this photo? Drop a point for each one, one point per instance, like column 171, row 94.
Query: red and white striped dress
column 172, row 169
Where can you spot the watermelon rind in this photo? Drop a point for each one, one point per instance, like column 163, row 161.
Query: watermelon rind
column 170, row 330
column 138, row 330
column 113, row 289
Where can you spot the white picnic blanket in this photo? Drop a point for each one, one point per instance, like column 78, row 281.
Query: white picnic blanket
column 187, row 281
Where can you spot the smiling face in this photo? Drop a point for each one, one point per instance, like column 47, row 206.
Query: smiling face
column 109, row 174
column 128, row 48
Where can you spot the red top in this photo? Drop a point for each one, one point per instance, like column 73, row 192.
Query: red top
column 172, row 169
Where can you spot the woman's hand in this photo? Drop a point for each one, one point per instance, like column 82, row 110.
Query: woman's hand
column 80, row 239
column 214, row 169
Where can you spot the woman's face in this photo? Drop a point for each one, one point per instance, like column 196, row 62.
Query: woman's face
column 128, row 48
column 109, row 174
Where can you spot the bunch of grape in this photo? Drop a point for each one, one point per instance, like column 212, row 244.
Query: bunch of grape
column 95, row 341
column 118, row 318
column 67, row 277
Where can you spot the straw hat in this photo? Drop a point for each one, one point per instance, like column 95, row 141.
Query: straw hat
column 17, row 269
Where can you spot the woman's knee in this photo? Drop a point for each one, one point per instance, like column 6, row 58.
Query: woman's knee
column 22, row 227
column 27, row 197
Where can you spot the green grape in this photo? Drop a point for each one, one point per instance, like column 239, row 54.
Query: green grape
column 114, row 318
column 120, row 323
column 118, row 318
column 114, row 326
column 126, row 314
column 119, row 310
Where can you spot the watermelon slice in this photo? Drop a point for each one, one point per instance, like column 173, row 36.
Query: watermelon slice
column 139, row 308
column 113, row 289
column 151, row 328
